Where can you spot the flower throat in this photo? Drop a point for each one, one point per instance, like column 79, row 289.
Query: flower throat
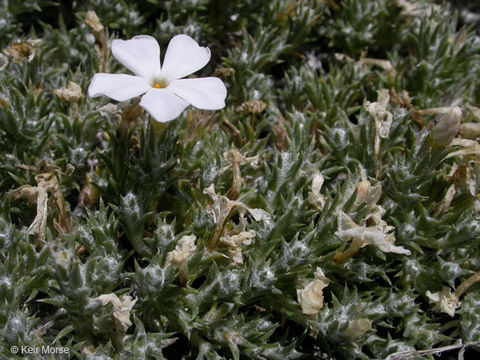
column 161, row 84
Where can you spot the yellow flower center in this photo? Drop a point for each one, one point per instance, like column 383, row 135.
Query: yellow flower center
column 161, row 84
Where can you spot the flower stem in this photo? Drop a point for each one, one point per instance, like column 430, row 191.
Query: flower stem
column 183, row 273
column 157, row 127
column 466, row 284
column 341, row 257
column 218, row 231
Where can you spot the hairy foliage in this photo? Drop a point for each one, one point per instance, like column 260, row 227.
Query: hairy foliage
column 299, row 75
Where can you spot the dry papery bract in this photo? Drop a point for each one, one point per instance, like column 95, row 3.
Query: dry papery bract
column 235, row 159
column 447, row 301
column 447, row 127
column 463, row 174
column 185, row 246
column 383, row 121
column 121, row 309
column 415, row 8
column 223, row 72
column 384, row 64
column 469, row 149
column 378, row 110
column 98, row 30
column 221, row 210
column 403, row 99
column 233, row 242
column 379, row 234
column 224, row 206
column 470, row 130
column 357, row 328
column 72, row 93
column 314, row 196
column 251, row 107
column 23, row 50
column 280, row 132
column 310, row 297
column 448, row 197
column 89, row 194
column 47, row 183
column 474, row 112
column 179, row 256
column 372, row 230
column 93, row 22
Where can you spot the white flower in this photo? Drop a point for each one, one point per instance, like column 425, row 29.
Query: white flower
column 166, row 94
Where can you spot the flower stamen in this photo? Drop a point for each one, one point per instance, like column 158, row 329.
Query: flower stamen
column 161, row 84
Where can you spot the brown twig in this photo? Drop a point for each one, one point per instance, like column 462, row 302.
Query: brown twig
column 405, row 355
column 467, row 284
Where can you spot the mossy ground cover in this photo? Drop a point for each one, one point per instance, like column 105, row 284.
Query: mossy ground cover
column 330, row 210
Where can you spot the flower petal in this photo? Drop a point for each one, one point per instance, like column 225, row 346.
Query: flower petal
column 204, row 93
column 183, row 57
column 162, row 104
column 119, row 87
column 140, row 54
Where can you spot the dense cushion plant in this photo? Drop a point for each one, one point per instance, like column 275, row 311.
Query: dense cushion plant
column 329, row 210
